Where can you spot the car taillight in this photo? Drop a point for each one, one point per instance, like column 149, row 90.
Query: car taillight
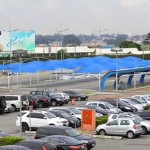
column 34, row 136
column 134, row 126
column 74, row 147
column 45, row 100
column 44, row 148
column 31, row 102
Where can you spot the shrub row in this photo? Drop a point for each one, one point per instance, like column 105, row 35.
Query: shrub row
column 147, row 107
column 101, row 120
column 10, row 140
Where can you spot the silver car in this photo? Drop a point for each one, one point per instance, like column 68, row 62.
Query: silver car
column 145, row 124
column 129, row 127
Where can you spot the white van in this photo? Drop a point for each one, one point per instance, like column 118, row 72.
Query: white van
column 14, row 101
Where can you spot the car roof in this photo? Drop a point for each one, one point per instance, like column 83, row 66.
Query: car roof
column 55, row 127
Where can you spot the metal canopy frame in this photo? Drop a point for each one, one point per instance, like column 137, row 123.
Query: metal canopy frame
column 131, row 73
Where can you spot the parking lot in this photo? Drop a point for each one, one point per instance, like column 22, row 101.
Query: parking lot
column 8, row 120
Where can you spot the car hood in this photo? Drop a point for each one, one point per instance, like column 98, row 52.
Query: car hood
column 83, row 137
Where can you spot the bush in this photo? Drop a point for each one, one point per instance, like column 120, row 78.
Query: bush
column 9, row 140
column 101, row 120
column 147, row 107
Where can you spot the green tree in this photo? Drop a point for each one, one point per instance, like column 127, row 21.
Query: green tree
column 71, row 40
column 130, row 44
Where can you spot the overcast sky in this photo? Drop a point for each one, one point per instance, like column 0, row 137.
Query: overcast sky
column 78, row 16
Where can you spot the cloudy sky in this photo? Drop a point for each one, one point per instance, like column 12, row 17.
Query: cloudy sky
column 78, row 16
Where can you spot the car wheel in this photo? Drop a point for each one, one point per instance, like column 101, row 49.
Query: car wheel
column 13, row 109
column 102, row 132
column 130, row 135
column 25, row 127
column 144, row 130
column 3, row 103
column 40, row 105
column 54, row 103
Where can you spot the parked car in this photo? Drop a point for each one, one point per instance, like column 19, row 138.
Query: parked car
column 28, row 100
column 44, row 101
column 135, row 104
column 145, row 114
column 145, row 124
column 39, row 118
column 73, row 121
column 142, row 98
column 37, row 144
column 63, row 142
column 67, row 131
column 122, row 105
column 129, row 127
column 74, row 94
column 65, row 96
column 14, row 147
column 104, row 105
column 70, row 110
column 2, row 134
column 100, row 110
column 2, row 104
column 54, row 98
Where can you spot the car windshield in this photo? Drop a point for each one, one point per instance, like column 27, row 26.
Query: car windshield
column 132, row 101
column 50, row 115
column 110, row 105
column 76, row 111
column 138, row 117
column 72, row 132
column 64, row 114
column 140, row 100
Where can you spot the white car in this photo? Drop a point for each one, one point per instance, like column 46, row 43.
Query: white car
column 129, row 101
column 105, row 105
column 39, row 118
column 66, row 97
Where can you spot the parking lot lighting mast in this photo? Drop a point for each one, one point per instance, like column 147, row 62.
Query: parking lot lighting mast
column 116, row 51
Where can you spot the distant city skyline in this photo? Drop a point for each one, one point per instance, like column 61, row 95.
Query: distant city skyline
column 48, row 17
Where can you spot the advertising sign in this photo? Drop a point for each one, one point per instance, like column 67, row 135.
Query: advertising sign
column 14, row 40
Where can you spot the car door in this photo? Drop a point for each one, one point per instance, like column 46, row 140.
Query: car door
column 112, row 127
column 123, row 126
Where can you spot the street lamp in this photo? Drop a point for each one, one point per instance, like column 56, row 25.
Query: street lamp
column 116, row 51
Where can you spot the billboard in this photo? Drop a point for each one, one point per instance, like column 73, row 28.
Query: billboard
column 14, row 40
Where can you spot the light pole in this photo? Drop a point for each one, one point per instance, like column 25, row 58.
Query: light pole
column 116, row 51
column 61, row 39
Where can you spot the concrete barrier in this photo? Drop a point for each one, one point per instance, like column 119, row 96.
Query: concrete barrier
column 108, row 137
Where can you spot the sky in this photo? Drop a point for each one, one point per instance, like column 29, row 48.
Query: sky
column 48, row 17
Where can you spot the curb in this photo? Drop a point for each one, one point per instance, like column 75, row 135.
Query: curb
column 108, row 137
column 30, row 132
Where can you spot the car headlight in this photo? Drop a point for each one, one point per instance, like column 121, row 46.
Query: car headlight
column 84, row 141
column 58, row 98
column 126, row 107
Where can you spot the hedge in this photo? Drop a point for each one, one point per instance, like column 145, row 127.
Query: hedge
column 10, row 140
column 146, row 107
column 101, row 120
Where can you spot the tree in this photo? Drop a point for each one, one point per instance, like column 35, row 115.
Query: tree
column 130, row 44
column 147, row 40
column 71, row 40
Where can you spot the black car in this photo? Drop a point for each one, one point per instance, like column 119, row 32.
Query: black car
column 99, row 110
column 54, row 98
column 14, row 147
column 122, row 105
column 73, row 121
column 2, row 104
column 74, row 94
column 44, row 131
column 37, row 144
column 65, row 142
column 145, row 114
